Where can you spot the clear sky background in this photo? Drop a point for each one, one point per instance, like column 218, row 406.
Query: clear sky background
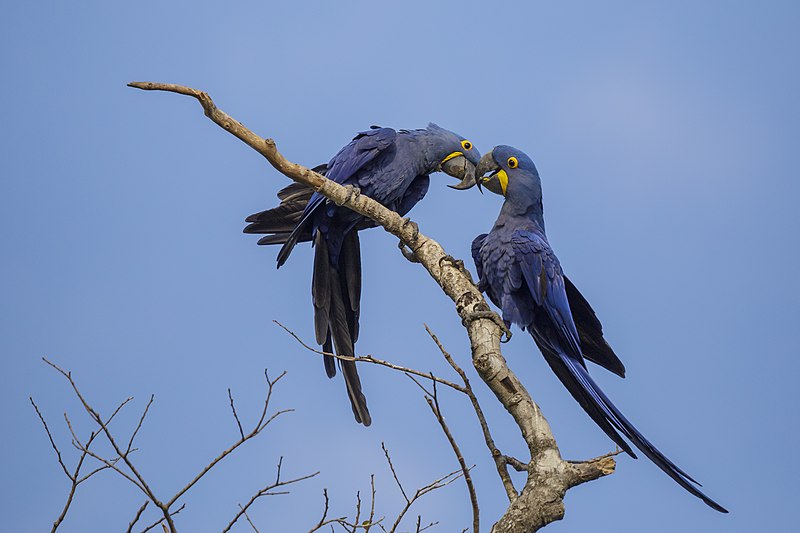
column 666, row 135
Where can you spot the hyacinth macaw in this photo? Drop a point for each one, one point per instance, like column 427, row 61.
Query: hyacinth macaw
column 391, row 167
column 522, row 276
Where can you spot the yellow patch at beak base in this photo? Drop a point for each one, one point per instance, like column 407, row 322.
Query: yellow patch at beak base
column 502, row 177
column 451, row 156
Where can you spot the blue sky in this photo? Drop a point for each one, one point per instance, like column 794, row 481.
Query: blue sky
column 666, row 135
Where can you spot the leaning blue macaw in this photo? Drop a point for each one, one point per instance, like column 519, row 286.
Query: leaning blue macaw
column 522, row 276
column 391, row 167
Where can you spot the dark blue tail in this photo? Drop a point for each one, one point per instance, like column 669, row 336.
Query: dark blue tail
column 597, row 405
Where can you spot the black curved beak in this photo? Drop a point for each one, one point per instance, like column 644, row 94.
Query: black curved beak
column 485, row 165
column 462, row 168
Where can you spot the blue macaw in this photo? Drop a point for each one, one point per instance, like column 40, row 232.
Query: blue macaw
column 522, row 276
column 391, row 167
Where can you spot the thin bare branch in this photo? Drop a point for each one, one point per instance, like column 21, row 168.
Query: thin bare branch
column 266, row 491
column 142, row 484
column 235, row 416
column 247, row 517
column 370, row 359
column 499, row 458
column 425, row 391
column 138, row 516
column 324, row 521
column 134, row 476
column 515, row 463
column 394, row 472
column 74, row 476
column 257, row 429
column 358, row 507
column 112, row 464
column 52, row 442
column 430, row 487
column 473, row 497
column 160, row 521
column 423, row 528
column 139, row 425
column 370, row 522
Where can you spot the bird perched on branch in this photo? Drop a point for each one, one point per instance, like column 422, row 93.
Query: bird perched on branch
column 391, row 167
column 522, row 276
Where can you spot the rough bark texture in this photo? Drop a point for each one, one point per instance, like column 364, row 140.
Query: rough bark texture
column 549, row 476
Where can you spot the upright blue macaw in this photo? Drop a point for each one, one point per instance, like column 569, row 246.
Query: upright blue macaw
column 391, row 167
column 522, row 276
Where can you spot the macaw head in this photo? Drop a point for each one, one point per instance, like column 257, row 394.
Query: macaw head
column 458, row 155
column 510, row 173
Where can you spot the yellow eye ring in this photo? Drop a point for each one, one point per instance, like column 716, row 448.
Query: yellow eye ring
column 512, row 162
column 466, row 145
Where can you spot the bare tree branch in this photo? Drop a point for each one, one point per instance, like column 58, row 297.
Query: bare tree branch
column 141, row 483
column 235, row 416
column 139, row 425
column 257, row 428
column 74, row 476
column 123, row 458
column 266, row 492
column 439, row 483
column 138, row 516
column 499, row 458
column 394, row 472
column 161, row 520
column 247, row 517
column 373, row 360
column 52, row 442
column 324, row 521
column 433, row 403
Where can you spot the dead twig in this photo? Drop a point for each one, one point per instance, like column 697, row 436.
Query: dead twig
column 499, row 458
column 121, row 463
column 266, row 491
column 437, row 484
column 371, row 359
column 433, row 403
column 138, row 516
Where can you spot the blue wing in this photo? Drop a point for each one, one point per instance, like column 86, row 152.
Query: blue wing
column 476, row 255
column 545, row 282
column 413, row 195
column 555, row 333
column 363, row 149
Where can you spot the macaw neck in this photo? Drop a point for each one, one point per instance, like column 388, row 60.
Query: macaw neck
column 518, row 215
column 432, row 149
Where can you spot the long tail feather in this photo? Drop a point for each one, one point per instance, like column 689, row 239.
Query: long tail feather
column 336, row 294
column 280, row 224
column 605, row 414
column 302, row 229
column 321, row 297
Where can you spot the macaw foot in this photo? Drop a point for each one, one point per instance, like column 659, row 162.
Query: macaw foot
column 353, row 192
column 458, row 264
column 407, row 252
column 414, row 227
column 491, row 315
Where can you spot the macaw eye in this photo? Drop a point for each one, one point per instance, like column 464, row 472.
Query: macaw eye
column 512, row 162
column 466, row 145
